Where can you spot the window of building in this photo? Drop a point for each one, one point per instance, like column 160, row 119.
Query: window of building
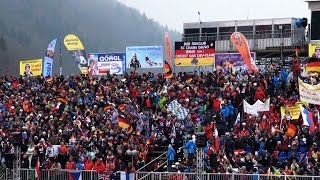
column 246, row 30
column 286, row 30
column 263, row 31
column 191, row 32
column 225, row 32
column 209, row 31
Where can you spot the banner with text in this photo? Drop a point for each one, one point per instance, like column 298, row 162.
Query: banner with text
column 31, row 67
column 76, row 49
column 233, row 61
column 144, row 57
column 309, row 93
column 48, row 59
column 194, row 53
column 109, row 63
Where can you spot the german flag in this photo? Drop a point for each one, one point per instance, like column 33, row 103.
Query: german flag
column 62, row 100
column 313, row 66
column 123, row 123
column 167, row 70
column 291, row 130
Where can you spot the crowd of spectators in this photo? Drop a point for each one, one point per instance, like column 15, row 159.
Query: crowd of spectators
column 73, row 122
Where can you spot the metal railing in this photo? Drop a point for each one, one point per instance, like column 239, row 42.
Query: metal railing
column 258, row 41
column 29, row 174
column 155, row 159
column 208, row 176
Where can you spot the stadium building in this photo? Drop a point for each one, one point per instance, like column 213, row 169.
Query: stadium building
column 272, row 39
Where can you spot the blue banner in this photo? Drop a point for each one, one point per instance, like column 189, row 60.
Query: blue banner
column 48, row 59
column 106, row 63
column 144, row 57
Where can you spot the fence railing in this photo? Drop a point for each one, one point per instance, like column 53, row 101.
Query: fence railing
column 29, row 174
column 208, row 176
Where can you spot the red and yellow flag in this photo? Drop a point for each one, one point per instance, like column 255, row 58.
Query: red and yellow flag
column 167, row 70
column 313, row 66
column 123, row 122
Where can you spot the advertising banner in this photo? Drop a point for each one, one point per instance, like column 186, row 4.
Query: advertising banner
column 309, row 93
column 167, row 64
column 194, row 53
column 76, row 49
column 241, row 44
column 108, row 63
column 314, row 49
column 232, row 61
column 144, row 57
column 48, row 59
column 31, row 67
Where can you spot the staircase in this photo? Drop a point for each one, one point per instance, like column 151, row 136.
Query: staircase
column 157, row 155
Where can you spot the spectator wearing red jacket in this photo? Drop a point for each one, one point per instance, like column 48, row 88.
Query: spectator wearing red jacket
column 259, row 95
column 99, row 166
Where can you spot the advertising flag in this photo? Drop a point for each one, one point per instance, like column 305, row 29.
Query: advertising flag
column 241, row 44
column 48, row 59
column 106, row 63
column 168, row 47
column 76, row 49
column 167, row 64
column 144, row 57
column 194, row 53
column 233, row 61
column 31, row 67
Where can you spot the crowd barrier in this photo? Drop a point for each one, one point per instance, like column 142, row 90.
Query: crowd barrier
column 29, row 174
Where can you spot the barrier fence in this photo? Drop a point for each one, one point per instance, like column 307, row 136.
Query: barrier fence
column 29, row 174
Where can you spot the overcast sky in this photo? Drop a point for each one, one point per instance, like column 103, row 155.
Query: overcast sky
column 175, row 12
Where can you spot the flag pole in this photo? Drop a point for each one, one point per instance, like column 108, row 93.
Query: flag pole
column 60, row 56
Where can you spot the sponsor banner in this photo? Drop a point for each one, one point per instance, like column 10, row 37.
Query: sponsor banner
column 293, row 111
column 194, row 53
column 241, row 44
column 106, row 63
column 314, row 49
column 76, row 49
column 226, row 61
column 144, row 57
column 31, row 67
column 167, row 64
column 48, row 59
column 309, row 93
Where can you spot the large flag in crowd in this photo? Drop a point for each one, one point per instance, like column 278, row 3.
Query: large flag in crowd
column 167, row 63
column 48, row 59
column 76, row 49
column 258, row 106
column 176, row 108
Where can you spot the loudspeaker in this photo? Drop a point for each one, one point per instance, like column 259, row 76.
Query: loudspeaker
column 16, row 139
column 201, row 139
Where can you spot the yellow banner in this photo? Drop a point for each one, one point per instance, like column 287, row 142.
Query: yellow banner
column 293, row 111
column 31, row 67
column 209, row 61
column 314, row 49
column 72, row 42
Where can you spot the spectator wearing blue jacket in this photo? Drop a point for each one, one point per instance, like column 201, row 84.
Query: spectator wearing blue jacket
column 191, row 149
column 276, row 82
column 284, row 79
column 228, row 112
column 303, row 145
column 171, row 153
